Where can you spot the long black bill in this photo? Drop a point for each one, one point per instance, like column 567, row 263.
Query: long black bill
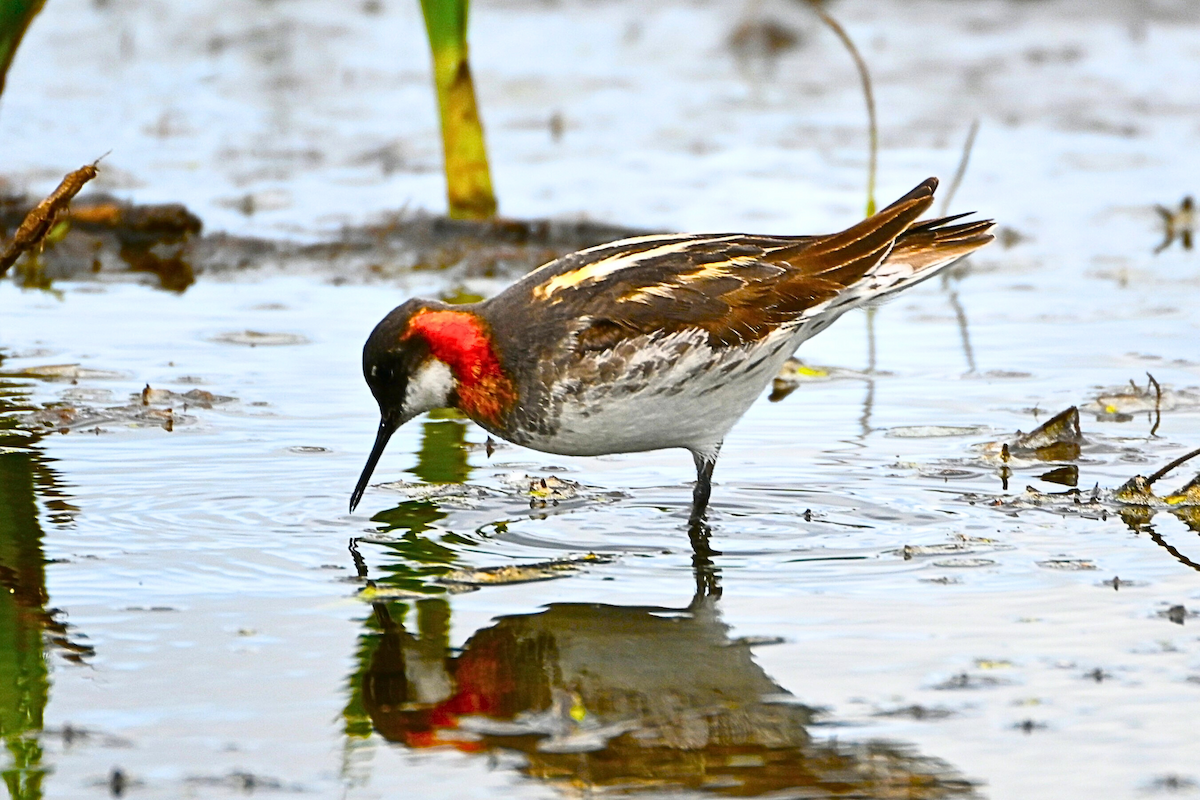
column 386, row 429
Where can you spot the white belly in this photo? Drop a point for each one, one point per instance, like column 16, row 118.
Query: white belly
column 668, row 399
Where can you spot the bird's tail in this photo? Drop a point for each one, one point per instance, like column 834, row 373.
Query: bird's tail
column 927, row 247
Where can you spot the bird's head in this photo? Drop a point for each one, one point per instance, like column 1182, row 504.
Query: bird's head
column 405, row 376
column 426, row 355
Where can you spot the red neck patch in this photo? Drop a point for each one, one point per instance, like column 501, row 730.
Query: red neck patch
column 460, row 341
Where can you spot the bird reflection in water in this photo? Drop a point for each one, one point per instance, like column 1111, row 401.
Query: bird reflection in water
column 606, row 697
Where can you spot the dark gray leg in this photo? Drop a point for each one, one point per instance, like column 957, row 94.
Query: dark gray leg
column 708, row 584
column 704, row 470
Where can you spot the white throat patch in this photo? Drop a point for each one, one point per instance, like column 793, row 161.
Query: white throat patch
column 429, row 388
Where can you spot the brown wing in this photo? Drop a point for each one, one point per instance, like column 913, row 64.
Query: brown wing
column 736, row 287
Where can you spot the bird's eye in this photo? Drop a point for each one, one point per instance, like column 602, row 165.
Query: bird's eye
column 374, row 370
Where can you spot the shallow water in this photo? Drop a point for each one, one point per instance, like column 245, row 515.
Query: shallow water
column 881, row 613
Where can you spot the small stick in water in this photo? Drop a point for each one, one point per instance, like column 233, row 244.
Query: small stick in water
column 962, row 165
column 1157, row 403
column 40, row 221
column 1172, row 465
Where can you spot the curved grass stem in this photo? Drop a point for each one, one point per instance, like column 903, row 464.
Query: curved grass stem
column 865, row 76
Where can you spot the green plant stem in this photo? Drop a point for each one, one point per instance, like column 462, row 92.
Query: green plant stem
column 468, row 181
column 15, row 16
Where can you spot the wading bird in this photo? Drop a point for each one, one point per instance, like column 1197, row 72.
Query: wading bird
column 646, row 343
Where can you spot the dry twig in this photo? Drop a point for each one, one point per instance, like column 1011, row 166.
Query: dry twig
column 40, row 221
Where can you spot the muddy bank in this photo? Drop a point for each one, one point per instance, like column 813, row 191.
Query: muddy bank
column 104, row 238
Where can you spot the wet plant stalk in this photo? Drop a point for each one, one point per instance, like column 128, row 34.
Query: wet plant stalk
column 868, row 94
column 963, row 161
column 15, row 16
column 468, row 181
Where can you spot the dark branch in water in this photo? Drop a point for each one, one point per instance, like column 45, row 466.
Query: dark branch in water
column 960, row 314
column 865, row 76
column 1182, row 459
column 1180, row 557
column 963, row 161
column 1157, row 404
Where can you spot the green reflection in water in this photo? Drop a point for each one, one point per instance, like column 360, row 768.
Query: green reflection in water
column 442, row 458
column 415, row 516
column 24, row 678
column 443, row 454
column 27, row 627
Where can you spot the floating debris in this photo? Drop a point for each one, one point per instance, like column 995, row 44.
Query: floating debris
column 65, row 418
column 242, row 781
column 993, row 663
column 1058, row 439
column 521, row 573
column 794, row 373
column 1137, row 490
column 1120, row 403
column 964, row 563
column 550, row 490
column 1172, row 783
column 962, row 544
column 1067, row 564
column 71, row 734
column 470, row 579
column 1178, row 614
column 65, row 372
column 1189, row 495
column 917, row 712
column 259, row 338
column 965, row 680
column 412, row 490
column 1177, row 224
column 197, row 398
column 1116, row 583
column 910, row 551
column 553, row 488
column 382, row 593
column 149, row 408
column 164, row 240
column 934, row 431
